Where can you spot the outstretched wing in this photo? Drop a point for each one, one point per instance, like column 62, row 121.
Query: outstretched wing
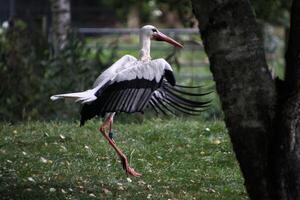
column 174, row 99
column 130, row 90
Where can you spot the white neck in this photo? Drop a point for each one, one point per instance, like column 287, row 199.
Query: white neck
column 144, row 47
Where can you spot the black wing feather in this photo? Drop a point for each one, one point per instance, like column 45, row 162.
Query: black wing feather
column 144, row 100
column 156, row 104
column 173, row 99
column 153, row 107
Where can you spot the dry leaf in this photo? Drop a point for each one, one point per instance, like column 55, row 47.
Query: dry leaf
column 129, row 180
column 216, row 141
column 43, row 160
column 106, row 191
column 31, row 179
column 92, row 195
column 141, row 182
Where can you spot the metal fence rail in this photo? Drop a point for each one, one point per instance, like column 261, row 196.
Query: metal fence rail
column 122, row 31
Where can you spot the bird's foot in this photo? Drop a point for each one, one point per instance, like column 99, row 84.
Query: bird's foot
column 129, row 170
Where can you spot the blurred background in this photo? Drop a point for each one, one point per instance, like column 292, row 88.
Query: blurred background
column 55, row 46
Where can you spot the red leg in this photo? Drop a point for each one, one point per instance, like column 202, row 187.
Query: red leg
column 122, row 156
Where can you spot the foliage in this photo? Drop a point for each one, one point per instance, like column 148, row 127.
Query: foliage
column 179, row 159
column 30, row 73
column 183, row 9
column 20, row 70
column 272, row 11
column 124, row 7
column 148, row 9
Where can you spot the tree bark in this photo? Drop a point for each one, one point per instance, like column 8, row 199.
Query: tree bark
column 262, row 115
column 288, row 115
column 292, row 74
column 133, row 18
column 61, row 23
column 232, row 42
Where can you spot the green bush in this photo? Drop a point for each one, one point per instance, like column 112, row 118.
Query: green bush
column 30, row 73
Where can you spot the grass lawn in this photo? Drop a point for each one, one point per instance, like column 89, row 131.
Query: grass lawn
column 179, row 159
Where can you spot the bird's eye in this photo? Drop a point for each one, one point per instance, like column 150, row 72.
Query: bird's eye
column 154, row 30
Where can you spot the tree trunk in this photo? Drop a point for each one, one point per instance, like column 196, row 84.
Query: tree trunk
column 263, row 121
column 288, row 115
column 61, row 23
column 133, row 18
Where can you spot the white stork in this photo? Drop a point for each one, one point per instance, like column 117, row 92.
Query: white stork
column 130, row 85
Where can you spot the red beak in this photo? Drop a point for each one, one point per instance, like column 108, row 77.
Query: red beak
column 162, row 37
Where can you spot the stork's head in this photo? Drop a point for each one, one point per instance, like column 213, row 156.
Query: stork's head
column 155, row 34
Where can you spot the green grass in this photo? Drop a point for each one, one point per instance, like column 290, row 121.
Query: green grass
column 179, row 159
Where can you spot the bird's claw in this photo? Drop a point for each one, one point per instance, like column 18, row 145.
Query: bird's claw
column 129, row 170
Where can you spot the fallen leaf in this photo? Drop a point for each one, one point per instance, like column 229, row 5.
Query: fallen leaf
column 107, row 191
column 43, row 160
column 81, row 187
column 31, row 179
column 129, row 180
column 216, row 141
column 92, row 195
column 149, row 187
column 63, row 147
column 211, row 190
column 141, row 182
column 121, row 188
column 3, row 151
